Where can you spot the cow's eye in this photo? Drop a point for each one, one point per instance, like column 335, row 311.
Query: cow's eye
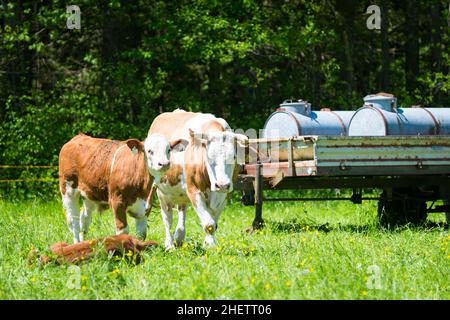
column 150, row 152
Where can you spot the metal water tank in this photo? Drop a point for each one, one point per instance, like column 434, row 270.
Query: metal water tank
column 380, row 116
column 297, row 119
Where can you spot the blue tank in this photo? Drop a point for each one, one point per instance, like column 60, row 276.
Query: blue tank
column 297, row 119
column 380, row 116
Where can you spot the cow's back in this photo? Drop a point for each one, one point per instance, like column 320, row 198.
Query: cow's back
column 84, row 163
column 171, row 124
column 175, row 125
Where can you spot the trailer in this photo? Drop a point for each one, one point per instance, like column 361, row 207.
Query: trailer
column 410, row 170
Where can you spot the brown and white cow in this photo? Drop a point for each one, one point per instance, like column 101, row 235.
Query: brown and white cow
column 201, row 174
column 110, row 173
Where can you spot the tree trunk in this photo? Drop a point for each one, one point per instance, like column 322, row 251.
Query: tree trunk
column 412, row 45
column 385, row 85
column 436, row 39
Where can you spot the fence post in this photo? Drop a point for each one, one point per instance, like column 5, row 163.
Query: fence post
column 258, row 221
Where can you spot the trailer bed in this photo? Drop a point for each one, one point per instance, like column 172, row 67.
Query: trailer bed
column 350, row 156
column 324, row 162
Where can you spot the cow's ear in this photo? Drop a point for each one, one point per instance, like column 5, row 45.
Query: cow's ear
column 195, row 139
column 135, row 145
column 178, row 144
column 192, row 135
column 241, row 139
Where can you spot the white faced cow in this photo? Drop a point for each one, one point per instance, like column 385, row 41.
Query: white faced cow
column 202, row 174
column 106, row 172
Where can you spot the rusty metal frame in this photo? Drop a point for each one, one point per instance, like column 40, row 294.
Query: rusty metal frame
column 414, row 167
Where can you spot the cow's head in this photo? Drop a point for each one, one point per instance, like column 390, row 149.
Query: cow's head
column 220, row 158
column 156, row 148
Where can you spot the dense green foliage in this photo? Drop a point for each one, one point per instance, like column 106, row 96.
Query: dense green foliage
column 238, row 59
column 324, row 250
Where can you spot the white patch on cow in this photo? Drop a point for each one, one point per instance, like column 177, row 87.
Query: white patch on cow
column 180, row 230
column 125, row 230
column 137, row 211
column 206, row 219
column 134, row 151
column 114, row 157
column 176, row 194
column 166, row 214
column 137, row 208
column 157, row 149
column 171, row 196
column 217, row 202
column 89, row 207
column 210, row 241
column 70, row 203
column 220, row 160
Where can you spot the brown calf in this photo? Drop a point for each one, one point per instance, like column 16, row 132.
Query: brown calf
column 123, row 245
column 104, row 172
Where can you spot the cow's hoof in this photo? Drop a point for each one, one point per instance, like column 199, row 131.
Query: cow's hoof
column 179, row 236
column 209, row 242
column 170, row 247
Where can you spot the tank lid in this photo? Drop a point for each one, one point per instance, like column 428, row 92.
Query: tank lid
column 382, row 100
column 300, row 106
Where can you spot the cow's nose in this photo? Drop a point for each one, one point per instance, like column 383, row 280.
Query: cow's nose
column 164, row 164
column 223, row 186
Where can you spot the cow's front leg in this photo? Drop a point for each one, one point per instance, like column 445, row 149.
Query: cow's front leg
column 207, row 221
column 180, row 231
column 166, row 213
column 120, row 215
column 217, row 203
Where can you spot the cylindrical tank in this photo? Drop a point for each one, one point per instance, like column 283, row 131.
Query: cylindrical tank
column 380, row 116
column 297, row 119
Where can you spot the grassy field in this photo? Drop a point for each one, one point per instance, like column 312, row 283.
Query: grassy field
column 326, row 250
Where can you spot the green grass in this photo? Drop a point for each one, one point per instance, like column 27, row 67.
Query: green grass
column 321, row 250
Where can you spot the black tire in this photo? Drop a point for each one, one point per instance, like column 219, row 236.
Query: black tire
column 447, row 214
column 406, row 207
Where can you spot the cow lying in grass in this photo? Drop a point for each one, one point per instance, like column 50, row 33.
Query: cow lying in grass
column 110, row 173
column 118, row 245
column 202, row 174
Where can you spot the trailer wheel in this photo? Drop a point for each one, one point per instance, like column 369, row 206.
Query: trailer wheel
column 406, row 207
column 447, row 213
